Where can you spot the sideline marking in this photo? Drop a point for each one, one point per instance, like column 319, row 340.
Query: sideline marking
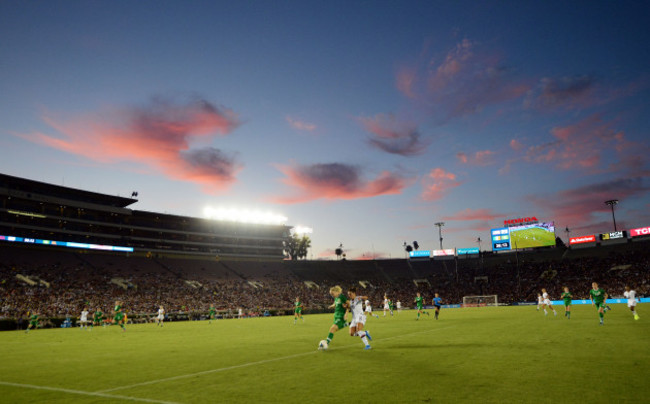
column 83, row 393
column 243, row 365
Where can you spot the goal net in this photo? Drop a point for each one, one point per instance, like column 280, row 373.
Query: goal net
column 480, row 301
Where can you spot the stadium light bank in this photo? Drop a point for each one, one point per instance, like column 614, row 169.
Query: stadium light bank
column 302, row 230
column 244, row 216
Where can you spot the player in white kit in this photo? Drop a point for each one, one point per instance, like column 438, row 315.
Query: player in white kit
column 540, row 301
column 387, row 305
column 630, row 295
column 161, row 316
column 358, row 318
column 546, row 302
column 399, row 306
column 369, row 309
column 83, row 319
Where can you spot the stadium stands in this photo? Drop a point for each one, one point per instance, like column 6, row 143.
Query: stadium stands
column 186, row 264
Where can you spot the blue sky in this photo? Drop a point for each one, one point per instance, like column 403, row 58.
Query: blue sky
column 368, row 121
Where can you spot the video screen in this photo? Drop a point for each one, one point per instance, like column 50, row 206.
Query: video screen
column 532, row 235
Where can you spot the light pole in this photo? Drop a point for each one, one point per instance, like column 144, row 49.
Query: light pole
column 440, row 224
column 568, row 232
column 611, row 203
column 479, row 244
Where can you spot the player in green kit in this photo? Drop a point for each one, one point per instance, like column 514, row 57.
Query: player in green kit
column 297, row 311
column 33, row 321
column 598, row 299
column 211, row 314
column 340, row 311
column 567, row 296
column 119, row 315
column 97, row 318
column 419, row 301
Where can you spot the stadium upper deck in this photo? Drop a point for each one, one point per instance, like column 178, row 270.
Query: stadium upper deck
column 37, row 210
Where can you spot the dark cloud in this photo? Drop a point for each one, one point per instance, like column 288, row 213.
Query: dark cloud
column 563, row 91
column 334, row 181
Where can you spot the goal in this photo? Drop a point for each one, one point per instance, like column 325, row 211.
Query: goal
column 480, row 301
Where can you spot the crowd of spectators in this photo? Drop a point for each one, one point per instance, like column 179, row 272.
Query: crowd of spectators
column 63, row 287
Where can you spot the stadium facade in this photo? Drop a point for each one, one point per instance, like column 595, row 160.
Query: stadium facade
column 32, row 210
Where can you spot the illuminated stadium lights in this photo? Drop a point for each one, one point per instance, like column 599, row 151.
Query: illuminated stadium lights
column 302, row 230
column 243, row 216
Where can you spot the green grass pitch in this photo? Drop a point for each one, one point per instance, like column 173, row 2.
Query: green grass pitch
column 533, row 237
column 499, row 355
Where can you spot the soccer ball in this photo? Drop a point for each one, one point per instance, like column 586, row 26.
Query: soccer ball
column 323, row 345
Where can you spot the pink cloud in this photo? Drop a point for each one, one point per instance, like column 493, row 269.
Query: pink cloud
column 579, row 207
column 394, row 136
column 566, row 92
column 157, row 135
column 301, row 125
column 590, row 144
column 474, row 214
column 479, row 158
column 438, row 183
column 406, row 79
column 337, row 181
column 463, row 81
column 516, row 145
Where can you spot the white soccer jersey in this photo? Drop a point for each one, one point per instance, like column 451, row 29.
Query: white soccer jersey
column 631, row 298
column 386, row 304
column 84, row 315
column 540, row 300
column 546, row 299
column 356, row 307
column 368, row 307
column 399, row 305
column 161, row 313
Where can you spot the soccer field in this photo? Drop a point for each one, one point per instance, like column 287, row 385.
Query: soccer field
column 509, row 354
column 533, row 237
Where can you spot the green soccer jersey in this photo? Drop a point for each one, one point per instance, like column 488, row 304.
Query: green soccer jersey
column 419, row 301
column 34, row 318
column 98, row 315
column 212, row 311
column 567, row 296
column 597, row 295
column 339, row 306
column 118, row 309
column 298, row 307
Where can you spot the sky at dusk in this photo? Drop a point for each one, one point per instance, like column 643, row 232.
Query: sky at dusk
column 368, row 121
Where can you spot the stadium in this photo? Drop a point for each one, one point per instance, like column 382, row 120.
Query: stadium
column 65, row 250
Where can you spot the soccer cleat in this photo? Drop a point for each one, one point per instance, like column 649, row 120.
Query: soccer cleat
column 608, row 308
column 368, row 335
column 367, row 347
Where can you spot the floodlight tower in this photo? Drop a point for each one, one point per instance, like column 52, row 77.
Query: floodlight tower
column 611, row 203
column 568, row 234
column 440, row 224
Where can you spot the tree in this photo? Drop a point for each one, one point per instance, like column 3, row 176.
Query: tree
column 297, row 247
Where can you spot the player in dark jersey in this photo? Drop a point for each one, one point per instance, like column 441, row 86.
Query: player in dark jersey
column 437, row 303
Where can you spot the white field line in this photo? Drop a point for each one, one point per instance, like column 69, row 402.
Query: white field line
column 243, row 365
column 83, row 393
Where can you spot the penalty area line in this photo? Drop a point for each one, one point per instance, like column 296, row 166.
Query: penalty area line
column 247, row 364
column 83, row 393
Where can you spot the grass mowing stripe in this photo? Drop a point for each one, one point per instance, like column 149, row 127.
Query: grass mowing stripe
column 84, row 393
column 243, row 365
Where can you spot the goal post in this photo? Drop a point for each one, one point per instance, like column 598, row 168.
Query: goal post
column 480, row 301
